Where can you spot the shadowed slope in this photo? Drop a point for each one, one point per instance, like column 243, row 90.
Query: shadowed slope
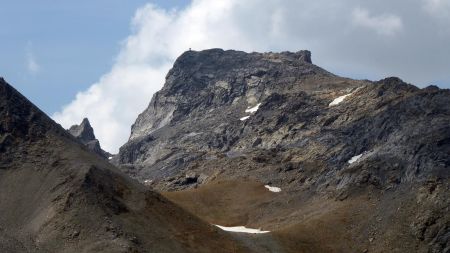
column 56, row 196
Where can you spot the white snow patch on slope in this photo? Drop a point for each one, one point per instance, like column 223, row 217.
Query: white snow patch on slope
column 244, row 118
column 253, row 109
column 339, row 100
column 192, row 134
column 242, row 229
column 355, row 158
column 272, row 188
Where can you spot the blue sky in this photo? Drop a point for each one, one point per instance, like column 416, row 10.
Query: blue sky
column 72, row 43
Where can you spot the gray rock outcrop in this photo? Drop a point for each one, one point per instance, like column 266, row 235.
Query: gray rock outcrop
column 85, row 134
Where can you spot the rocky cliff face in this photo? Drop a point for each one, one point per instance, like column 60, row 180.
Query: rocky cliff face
column 278, row 119
column 216, row 78
column 205, row 96
column 85, row 134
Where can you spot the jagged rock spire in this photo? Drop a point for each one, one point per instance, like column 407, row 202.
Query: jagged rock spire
column 85, row 134
column 84, row 131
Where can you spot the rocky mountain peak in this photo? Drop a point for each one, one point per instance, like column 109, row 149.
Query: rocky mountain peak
column 279, row 120
column 85, row 134
column 215, row 78
column 232, row 102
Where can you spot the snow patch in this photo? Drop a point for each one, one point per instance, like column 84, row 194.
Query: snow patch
column 354, row 159
column 272, row 188
column 339, row 100
column 242, row 229
column 244, row 118
column 253, row 109
column 109, row 158
column 192, row 134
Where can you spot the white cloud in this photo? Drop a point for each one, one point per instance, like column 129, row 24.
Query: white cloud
column 437, row 8
column 113, row 103
column 31, row 63
column 385, row 24
column 437, row 5
column 326, row 27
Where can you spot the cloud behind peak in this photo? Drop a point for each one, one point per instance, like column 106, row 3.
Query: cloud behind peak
column 370, row 42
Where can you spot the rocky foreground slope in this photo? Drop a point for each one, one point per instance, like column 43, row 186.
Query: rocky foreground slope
column 363, row 166
column 58, row 196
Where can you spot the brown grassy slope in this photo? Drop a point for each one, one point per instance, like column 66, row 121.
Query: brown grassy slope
column 369, row 219
column 226, row 203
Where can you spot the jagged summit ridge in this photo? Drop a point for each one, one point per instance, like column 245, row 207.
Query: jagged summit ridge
column 300, row 56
